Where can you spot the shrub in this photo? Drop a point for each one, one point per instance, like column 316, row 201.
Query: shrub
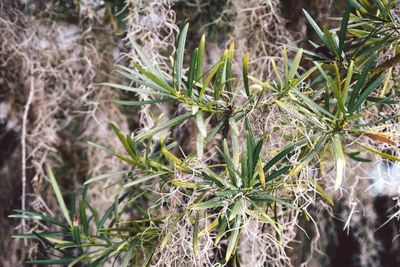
column 197, row 206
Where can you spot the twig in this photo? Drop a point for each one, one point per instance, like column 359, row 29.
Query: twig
column 23, row 148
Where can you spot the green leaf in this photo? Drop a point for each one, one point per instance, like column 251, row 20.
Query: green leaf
column 313, row 106
column 294, row 67
column 347, row 83
column 118, row 155
column 282, row 154
column 43, row 234
column 322, row 192
column 124, row 141
column 64, row 261
column 250, row 160
column 355, row 156
column 129, row 254
column 229, row 62
column 304, row 76
column 357, row 6
column 77, row 236
column 150, row 65
column 361, row 81
column 141, row 103
column 331, row 42
column 159, row 128
column 139, row 78
column 265, row 217
column 340, row 160
column 381, row 7
column 246, row 74
column 285, row 61
column 237, row 208
column 270, row 198
column 276, row 72
column 214, row 178
column 147, row 259
column 196, row 235
column 233, row 173
column 343, row 27
column 200, row 124
column 233, row 239
column 277, row 173
column 31, row 215
column 366, row 93
column 180, row 50
column 192, row 72
column 211, row 74
column 154, row 78
column 220, row 77
column 214, row 131
column 379, row 153
column 184, row 184
column 335, row 87
column 382, row 100
column 210, row 204
column 316, row 28
column 221, row 230
column 83, row 217
column 134, row 90
column 235, row 142
column 171, row 157
column 145, row 179
column 59, row 196
column 104, row 176
column 310, row 156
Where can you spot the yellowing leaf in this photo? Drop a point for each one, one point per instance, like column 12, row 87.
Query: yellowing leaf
column 340, row 160
column 261, row 174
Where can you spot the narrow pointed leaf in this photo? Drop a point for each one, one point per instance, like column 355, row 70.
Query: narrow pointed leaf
column 361, row 81
column 144, row 179
column 213, row 203
column 196, row 235
column 343, row 27
column 294, row 67
column 310, row 156
column 233, row 239
column 152, row 67
column 180, row 50
column 134, row 90
column 192, row 72
column 246, row 74
column 229, row 62
column 316, row 28
column 59, row 196
column 379, row 153
column 340, row 160
column 159, row 128
column 141, row 103
column 366, row 93
column 200, row 59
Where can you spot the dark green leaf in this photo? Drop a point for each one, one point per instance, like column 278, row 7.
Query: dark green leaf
column 64, row 261
column 343, row 27
column 192, row 72
column 360, row 82
column 366, row 93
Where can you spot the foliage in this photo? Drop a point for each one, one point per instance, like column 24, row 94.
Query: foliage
column 326, row 108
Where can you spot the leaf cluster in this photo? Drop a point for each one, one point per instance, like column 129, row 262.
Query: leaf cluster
column 327, row 107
